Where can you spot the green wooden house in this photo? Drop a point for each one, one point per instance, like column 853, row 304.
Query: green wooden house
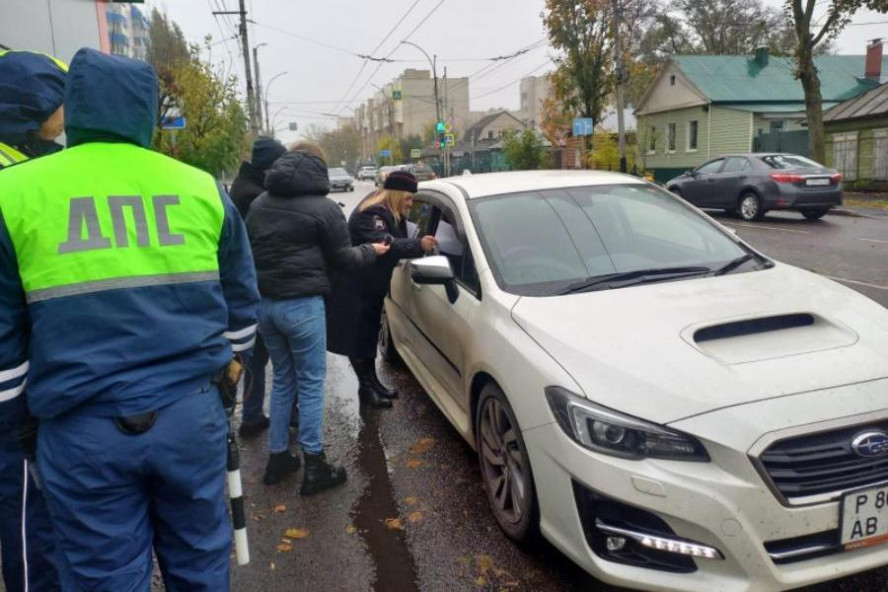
column 700, row 107
column 857, row 140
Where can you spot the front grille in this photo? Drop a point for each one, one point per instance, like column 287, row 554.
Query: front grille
column 823, row 464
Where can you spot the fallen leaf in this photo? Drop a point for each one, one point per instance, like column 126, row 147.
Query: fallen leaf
column 411, row 501
column 422, row 446
column 282, row 548
column 481, row 580
column 286, row 541
column 280, row 509
column 394, row 524
column 350, row 529
column 484, row 563
column 415, row 516
column 297, row 533
column 413, row 463
column 271, row 566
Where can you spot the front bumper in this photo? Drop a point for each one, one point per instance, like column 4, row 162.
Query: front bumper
column 723, row 505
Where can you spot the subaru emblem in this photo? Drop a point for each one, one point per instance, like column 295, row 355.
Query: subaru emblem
column 871, row 444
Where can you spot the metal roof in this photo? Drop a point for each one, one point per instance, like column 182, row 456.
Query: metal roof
column 773, row 107
column 870, row 104
column 735, row 79
column 487, row 184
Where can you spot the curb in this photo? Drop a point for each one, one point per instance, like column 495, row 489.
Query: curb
column 839, row 211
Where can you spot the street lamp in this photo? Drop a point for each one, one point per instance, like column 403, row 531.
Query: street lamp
column 258, row 83
column 267, row 86
column 271, row 127
column 433, row 63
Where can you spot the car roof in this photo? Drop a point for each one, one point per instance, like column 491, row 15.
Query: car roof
column 482, row 185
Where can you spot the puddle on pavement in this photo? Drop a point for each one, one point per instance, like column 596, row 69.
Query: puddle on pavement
column 395, row 568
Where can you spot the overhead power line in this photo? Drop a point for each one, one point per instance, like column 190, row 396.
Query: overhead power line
column 505, row 86
column 394, row 49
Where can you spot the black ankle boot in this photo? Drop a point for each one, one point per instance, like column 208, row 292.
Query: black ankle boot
column 280, row 464
column 367, row 392
column 380, row 388
column 320, row 475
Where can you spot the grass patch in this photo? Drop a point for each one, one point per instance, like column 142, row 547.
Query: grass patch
column 855, row 202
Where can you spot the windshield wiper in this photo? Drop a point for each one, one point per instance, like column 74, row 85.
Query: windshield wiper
column 631, row 278
column 734, row 264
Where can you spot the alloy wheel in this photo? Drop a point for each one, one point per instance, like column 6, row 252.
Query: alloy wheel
column 503, row 464
column 749, row 207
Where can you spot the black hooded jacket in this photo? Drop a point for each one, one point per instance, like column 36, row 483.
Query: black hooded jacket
column 247, row 186
column 298, row 235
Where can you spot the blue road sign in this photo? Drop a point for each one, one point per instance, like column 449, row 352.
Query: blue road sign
column 583, row 126
column 173, row 123
column 385, row 153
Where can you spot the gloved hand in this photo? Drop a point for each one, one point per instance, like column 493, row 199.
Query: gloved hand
column 231, row 375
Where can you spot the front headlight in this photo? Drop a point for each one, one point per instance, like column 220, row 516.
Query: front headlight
column 603, row 430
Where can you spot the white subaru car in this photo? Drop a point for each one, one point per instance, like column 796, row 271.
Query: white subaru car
column 666, row 405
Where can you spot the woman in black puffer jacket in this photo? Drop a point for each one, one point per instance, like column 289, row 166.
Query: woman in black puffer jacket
column 299, row 237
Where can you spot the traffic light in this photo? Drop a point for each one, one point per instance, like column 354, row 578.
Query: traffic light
column 440, row 128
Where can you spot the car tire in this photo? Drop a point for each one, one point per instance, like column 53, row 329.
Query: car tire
column 505, row 467
column 814, row 213
column 749, row 207
column 387, row 348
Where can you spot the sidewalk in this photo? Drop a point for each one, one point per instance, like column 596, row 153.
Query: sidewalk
column 870, row 205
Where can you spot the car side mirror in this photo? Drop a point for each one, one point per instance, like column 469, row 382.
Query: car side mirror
column 435, row 270
column 431, row 270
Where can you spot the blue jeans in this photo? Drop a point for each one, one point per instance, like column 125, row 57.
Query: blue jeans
column 254, row 399
column 112, row 496
column 295, row 334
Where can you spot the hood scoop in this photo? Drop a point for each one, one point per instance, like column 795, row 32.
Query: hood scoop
column 740, row 341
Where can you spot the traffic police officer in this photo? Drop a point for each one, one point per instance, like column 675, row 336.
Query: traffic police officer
column 32, row 87
column 126, row 282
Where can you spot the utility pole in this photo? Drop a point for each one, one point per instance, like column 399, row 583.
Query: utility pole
column 259, row 88
column 248, row 71
column 621, row 78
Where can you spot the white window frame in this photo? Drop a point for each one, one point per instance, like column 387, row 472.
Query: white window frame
column 688, row 136
column 880, row 154
column 652, row 140
column 674, row 139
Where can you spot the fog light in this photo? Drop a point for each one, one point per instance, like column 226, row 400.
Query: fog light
column 658, row 543
column 615, row 543
column 680, row 547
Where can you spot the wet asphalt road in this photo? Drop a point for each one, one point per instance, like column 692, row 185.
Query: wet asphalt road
column 851, row 250
column 413, row 514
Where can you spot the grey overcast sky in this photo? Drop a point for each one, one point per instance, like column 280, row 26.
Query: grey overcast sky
column 314, row 42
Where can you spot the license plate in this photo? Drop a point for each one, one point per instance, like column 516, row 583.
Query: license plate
column 865, row 517
column 817, row 182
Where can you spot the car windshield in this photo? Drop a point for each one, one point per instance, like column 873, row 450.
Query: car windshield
column 545, row 243
column 789, row 161
column 388, row 169
column 338, row 172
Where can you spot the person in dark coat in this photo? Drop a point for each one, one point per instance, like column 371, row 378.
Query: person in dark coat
column 353, row 321
column 298, row 237
column 247, row 186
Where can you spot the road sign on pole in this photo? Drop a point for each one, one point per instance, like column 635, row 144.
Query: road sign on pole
column 173, row 123
column 415, row 153
column 583, row 126
column 385, row 153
